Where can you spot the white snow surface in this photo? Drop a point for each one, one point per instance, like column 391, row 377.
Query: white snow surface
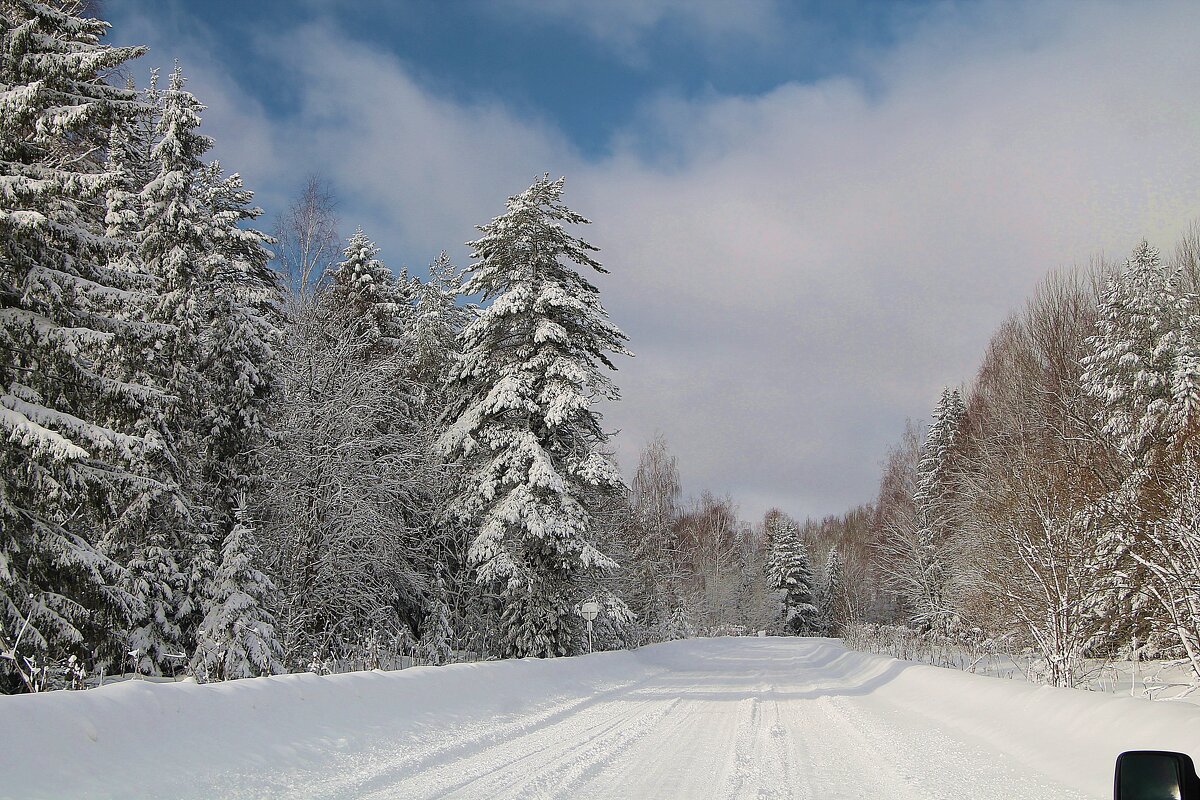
column 722, row 718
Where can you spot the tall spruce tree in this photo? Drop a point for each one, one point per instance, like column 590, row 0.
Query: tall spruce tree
column 174, row 557
column 1143, row 364
column 931, row 569
column 525, row 427
column 363, row 291
column 831, row 600
column 236, row 356
column 1143, row 369
column 82, row 451
column 789, row 573
column 436, row 322
column 217, row 299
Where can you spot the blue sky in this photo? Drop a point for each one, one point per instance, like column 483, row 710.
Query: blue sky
column 816, row 214
column 588, row 82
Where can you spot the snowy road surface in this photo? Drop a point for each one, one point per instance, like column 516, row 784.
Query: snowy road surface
column 720, row 718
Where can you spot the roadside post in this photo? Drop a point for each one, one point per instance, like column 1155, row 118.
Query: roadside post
column 589, row 611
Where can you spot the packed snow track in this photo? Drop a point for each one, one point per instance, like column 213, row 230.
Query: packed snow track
column 719, row 718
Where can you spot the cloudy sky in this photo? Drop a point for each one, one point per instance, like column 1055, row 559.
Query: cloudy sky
column 815, row 213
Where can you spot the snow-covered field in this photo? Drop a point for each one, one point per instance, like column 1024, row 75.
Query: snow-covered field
column 733, row 717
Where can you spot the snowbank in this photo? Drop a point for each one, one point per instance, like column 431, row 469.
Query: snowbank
column 271, row 736
column 1071, row 735
column 143, row 739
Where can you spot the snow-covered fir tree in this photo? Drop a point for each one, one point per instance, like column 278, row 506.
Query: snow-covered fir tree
column 436, row 645
column 173, row 239
column 921, row 547
column 1143, row 369
column 525, row 428
column 930, row 569
column 81, row 451
column 364, row 292
column 1143, row 365
column 789, row 573
column 938, row 448
column 217, row 297
column 172, row 557
column 436, row 322
column 237, row 347
column 831, row 600
column 237, row 636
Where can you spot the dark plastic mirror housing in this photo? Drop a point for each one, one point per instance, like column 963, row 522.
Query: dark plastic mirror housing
column 1155, row 775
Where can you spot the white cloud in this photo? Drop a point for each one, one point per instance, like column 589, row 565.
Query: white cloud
column 419, row 169
column 798, row 271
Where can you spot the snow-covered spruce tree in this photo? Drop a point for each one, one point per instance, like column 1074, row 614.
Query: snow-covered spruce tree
column 524, row 427
column 215, row 308
column 436, row 323
column 218, row 297
column 933, row 502
column 919, row 549
column 131, row 145
column 236, row 350
column 831, row 600
column 1143, row 369
column 363, row 291
column 81, row 450
column 1143, row 363
column 435, row 646
column 237, row 636
column 790, row 575
column 173, row 241
column 172, row 555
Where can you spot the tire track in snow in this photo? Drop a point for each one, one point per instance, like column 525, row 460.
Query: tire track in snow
column 567, row 767
column 537, row 759
column 781, row 782
column 685, row 755
column 741, row 766
column 764, row 763
column 387, row 766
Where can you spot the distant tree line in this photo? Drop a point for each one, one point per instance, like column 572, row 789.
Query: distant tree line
column 1051, row 505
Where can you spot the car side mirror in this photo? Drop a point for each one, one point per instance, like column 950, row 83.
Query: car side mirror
column 1155, row 775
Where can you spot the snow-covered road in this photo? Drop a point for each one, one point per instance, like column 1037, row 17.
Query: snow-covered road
column 720, row 718
column 736, row 719
column 743, row 719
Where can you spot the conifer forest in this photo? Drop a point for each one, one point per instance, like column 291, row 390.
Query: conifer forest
column 237, row 442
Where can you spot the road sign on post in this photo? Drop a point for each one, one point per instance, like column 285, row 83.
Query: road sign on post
column 589, row 611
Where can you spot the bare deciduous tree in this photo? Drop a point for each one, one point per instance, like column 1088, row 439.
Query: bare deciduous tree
column 1034, row 478
column 308, row 244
